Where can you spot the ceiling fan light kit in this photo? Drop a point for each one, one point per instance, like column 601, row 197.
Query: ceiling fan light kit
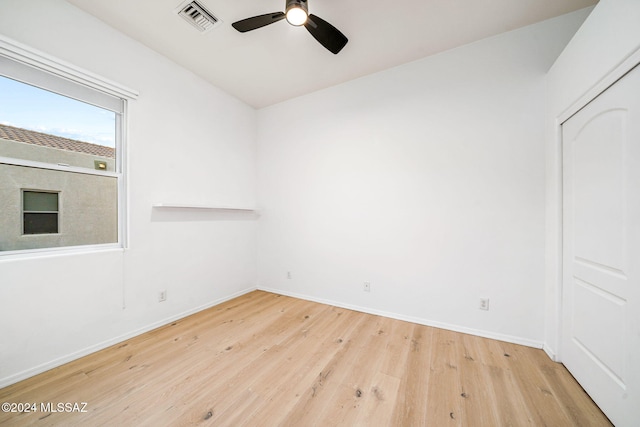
column 297, row 13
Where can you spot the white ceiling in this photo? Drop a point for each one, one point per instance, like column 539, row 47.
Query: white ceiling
column 279, row 62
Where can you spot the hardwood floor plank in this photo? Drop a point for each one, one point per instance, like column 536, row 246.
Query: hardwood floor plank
column 384, row 382
column 511, row 407
column 378, row 404
column 358, row 391
column 444, row 403
column 476, row 390
column 411, row 409
column 264, row 360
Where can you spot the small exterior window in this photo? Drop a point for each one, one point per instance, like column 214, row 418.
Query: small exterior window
column 40, row 212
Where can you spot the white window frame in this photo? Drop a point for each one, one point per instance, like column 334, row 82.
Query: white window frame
column 27, row 65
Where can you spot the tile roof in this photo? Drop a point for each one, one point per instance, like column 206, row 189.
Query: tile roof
column 52, row 141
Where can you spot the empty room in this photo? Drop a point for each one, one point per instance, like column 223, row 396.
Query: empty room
column 320, row 213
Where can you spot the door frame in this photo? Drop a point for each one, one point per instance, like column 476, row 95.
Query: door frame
column 624, row 67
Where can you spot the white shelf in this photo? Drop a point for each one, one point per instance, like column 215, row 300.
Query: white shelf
column 202, row 207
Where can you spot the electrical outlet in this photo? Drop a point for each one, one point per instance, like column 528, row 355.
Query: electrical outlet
column 367, row 286
column 162, row 296
column 288, row 275
column 484, row 304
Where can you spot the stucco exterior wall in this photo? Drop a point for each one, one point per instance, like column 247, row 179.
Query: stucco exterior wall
column 22, row 150
column 88, row 205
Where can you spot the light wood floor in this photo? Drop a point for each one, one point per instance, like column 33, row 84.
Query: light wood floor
column 269, row 360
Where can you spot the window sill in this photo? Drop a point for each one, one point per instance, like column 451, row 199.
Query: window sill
column 55, row 252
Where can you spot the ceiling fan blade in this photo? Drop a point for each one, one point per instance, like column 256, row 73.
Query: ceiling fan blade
column 258, row 21
column 328, row 35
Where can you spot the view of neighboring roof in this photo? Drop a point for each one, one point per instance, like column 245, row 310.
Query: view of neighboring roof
column 52, row 141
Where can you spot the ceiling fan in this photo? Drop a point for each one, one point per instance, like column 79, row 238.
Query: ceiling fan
column 297, row 14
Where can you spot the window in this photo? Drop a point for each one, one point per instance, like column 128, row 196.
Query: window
column 61, row 133
column 39, row 212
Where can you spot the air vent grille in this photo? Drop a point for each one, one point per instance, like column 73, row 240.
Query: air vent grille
column 195, row 14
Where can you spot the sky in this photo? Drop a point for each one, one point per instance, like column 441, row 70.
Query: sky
column 36, row 109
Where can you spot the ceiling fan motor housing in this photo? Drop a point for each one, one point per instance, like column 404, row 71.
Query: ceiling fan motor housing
column 297, row 3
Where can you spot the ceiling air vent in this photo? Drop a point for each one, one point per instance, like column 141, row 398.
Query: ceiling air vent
column 195, row 14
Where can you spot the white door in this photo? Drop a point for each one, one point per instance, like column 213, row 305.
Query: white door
column 601, row 254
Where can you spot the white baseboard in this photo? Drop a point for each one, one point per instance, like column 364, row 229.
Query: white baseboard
column 421, row 321
column 6, row 381
column 550, row 352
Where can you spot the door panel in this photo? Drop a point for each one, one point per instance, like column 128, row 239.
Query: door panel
column 598, row 190
column 594, row 332
column 601, row 249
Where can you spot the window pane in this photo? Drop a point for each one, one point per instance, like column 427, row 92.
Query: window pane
column 40, row 223
column 38, row 201
column 87, row 209
column 43, row 126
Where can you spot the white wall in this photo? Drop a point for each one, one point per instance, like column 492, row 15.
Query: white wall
column 426, row 180
column 188, row 142
column 609, row 36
